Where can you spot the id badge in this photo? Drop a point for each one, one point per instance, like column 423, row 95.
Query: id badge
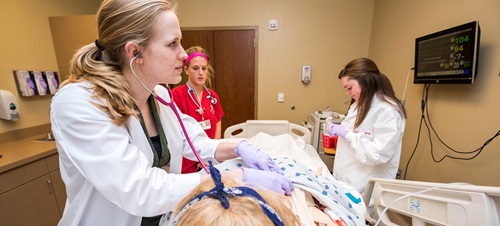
column 205, row 124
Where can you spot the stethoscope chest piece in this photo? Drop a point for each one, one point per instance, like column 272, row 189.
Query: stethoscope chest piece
column 213, row 100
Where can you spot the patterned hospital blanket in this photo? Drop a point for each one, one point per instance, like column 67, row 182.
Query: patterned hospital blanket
column 341, row 200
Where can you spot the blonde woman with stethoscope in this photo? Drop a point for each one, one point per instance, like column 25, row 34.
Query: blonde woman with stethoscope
column 119, row 135
column 198, row 101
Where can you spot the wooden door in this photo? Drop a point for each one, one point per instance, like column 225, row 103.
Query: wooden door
column 235, row 72
column 232, row 54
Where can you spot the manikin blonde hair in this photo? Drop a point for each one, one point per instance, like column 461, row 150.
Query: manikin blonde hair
column 243, row 211
column 119, row 22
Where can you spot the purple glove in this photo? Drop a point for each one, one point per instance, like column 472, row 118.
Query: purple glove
column 269, row 180
column 254, row 158
column 336, row 130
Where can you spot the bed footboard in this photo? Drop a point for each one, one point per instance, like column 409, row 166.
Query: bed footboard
column 434, row 203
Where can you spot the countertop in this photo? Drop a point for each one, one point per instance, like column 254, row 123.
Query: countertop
column 17, row 153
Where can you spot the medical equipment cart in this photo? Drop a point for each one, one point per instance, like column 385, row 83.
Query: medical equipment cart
column 315, row 123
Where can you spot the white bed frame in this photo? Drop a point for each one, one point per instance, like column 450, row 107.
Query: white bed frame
column 271, row 127
column 447, row 204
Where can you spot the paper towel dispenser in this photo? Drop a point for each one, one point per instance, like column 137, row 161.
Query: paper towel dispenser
column 9, row 108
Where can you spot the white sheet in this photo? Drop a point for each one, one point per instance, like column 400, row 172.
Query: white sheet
column 286, row 146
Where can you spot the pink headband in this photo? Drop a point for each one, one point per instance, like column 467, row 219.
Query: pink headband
column 195, row 54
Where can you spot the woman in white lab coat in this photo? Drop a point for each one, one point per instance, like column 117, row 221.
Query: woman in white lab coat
column 120, row 149
column 369, row 144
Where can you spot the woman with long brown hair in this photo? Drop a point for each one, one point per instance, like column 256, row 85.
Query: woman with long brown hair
column 370, row 137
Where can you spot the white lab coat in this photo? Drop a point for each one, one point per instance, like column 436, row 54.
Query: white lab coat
column 374, row 149
column 107, row 169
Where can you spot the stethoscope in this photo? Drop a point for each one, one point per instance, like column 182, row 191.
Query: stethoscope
column 198, row 104
column 172, row 106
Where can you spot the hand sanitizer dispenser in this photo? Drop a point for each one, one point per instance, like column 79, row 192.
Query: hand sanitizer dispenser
column 9, row 108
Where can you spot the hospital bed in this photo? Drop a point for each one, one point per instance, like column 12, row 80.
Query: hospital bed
column 424, row 203
column 290, row 147
column 407, row 202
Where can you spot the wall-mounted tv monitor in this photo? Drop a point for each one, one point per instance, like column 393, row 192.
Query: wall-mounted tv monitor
column 449, row 56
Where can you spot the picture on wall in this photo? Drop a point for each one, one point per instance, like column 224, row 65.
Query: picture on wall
column 36, row 83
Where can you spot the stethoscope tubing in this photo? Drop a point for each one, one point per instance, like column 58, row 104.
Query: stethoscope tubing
column 213, row 100
column 172, row 106
column 197, row 103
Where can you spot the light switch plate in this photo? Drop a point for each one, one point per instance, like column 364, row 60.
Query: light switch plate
column 281, row 97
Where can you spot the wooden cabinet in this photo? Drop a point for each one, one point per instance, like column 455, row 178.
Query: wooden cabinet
column 32, row 194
